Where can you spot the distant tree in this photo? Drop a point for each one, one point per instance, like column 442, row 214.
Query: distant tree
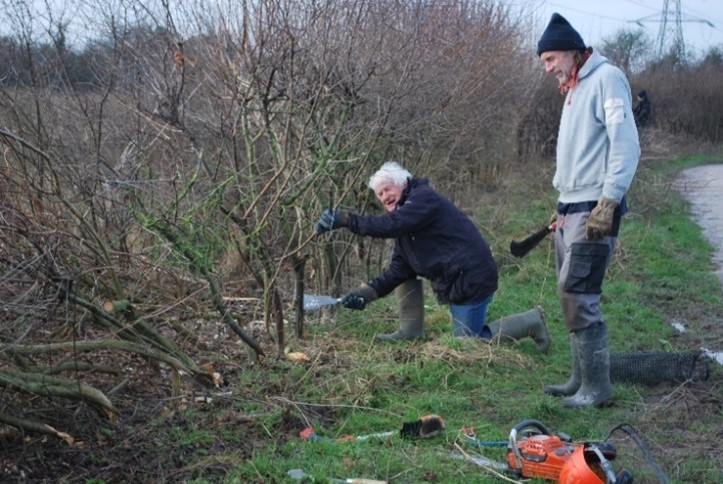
column 628, row 49
column 181, row 157
column 713, row 56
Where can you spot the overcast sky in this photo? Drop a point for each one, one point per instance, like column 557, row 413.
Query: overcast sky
column 594, row 19
column 598, row 19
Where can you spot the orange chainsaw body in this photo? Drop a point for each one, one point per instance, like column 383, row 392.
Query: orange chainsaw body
column 540, row 456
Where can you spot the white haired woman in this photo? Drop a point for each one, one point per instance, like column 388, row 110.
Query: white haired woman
column 435, row 240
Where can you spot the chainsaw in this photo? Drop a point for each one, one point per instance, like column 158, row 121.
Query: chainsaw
column 533, row 451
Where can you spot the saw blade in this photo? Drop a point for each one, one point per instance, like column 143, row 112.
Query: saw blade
column 313, row 302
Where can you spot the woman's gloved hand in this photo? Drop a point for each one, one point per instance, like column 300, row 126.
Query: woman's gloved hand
column 359, row 297
column 330, row 220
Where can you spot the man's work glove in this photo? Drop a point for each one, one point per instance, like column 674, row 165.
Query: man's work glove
column 330, row 220
column 600, row 222
column 359, row 297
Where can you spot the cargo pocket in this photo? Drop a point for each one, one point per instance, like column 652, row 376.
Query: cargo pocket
column 587, row 268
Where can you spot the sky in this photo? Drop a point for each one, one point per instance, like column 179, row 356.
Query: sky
column 600, row 19
column 593, row 19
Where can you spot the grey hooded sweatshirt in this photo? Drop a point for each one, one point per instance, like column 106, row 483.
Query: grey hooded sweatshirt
column 597, row 147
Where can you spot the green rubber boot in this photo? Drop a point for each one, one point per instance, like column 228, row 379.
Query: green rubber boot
column 517, row 326
column 595, row 387
column 573, row 384
column 410, row 297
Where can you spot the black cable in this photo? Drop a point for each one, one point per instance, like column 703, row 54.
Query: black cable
column 633, row 434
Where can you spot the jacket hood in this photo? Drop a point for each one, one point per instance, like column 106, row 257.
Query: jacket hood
column 412, row 183
column 596, row 60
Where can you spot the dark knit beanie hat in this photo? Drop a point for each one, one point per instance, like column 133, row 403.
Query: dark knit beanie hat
column 559, row 35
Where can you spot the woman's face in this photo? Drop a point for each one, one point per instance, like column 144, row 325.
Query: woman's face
column 389, row 194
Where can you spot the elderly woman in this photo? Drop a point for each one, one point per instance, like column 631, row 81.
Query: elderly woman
column 435, row 240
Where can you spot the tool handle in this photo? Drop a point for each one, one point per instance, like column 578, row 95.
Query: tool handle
column 532, row 423
column 362, row 481
column 520, row 248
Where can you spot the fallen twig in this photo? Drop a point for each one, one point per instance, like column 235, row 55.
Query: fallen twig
column 469, row 458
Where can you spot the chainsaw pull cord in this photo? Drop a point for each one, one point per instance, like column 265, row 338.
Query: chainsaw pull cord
column 609, row 472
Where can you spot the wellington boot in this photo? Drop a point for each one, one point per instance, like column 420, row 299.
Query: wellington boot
column 595, row 387
column 573, row 384
column 517, row 326
column 410, row 297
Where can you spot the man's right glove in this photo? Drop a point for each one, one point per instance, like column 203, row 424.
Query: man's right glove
column 359, row 297
column 553, row 219
column 600, row 222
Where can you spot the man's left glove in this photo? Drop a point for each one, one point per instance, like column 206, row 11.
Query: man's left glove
column 359, row 297
column 600, row 222
column 330, row 220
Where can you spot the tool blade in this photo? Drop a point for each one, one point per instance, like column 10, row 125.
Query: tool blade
column 481, row 461
column 313, row 302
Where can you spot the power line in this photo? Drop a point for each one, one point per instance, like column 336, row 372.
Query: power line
column 592, row 14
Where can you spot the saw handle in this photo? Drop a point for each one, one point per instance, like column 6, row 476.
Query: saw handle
column 523, row 428
column 541, row 428
column 355, row 480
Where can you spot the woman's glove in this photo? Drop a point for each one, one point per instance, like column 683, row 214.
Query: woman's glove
column 359, row 297
column 600, row 222
column 330, row 220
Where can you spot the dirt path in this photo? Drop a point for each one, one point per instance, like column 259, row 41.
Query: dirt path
column 702, row 186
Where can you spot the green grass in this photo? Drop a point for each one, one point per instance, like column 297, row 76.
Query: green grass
column 354, row 386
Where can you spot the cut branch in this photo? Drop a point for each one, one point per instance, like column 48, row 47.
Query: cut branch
column 79, row 346
column 51, row 387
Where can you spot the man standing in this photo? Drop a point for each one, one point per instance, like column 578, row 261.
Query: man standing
column 643, row 111
column 597, row 156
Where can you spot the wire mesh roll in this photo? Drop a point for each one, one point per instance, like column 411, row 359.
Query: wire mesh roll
column 655, row 368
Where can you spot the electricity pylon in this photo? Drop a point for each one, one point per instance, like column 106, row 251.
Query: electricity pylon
column 671, row 26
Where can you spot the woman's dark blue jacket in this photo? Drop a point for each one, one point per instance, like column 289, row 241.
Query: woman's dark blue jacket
column 434, row 240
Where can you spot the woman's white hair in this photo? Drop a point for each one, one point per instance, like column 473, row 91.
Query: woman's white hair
column 391, row 171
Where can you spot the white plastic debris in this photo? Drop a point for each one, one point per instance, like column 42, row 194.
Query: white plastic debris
column 714, row 355
column 679, row 327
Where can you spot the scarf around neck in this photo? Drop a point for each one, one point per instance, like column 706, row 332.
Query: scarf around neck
column 574, row 79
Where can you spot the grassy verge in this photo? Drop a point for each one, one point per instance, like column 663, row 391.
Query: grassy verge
column 353, row 386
